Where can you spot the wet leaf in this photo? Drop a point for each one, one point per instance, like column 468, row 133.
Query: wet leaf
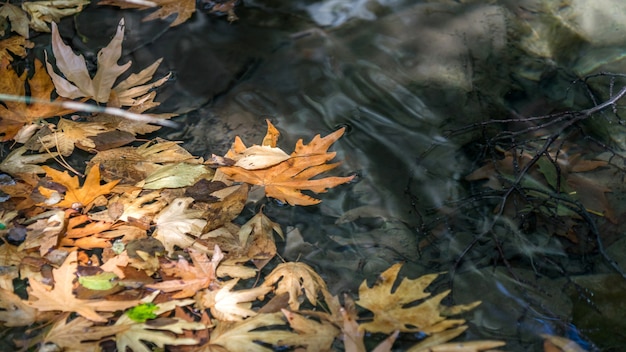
column 286, row 180
column 389, row 307
column 295, row 278
column 76, row 196
column 61, row 298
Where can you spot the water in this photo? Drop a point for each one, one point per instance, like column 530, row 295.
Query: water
column 417, row 84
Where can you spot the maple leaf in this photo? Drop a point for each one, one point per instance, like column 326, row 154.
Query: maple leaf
column 257, row 235
column 183, row 9
column 43, row 12
column 17, row 163
column 75, row 196
column 73, row 335
column 14, row 115
column 194, row 278
column 294, row 278
column 16, row 44
column 243, row 336
column 176, row 225
column 232, row 305
column 157, row 331
column 286, row 180
column 83, row 233
column 17, row 17
column 44, row 231
column 72, row 133
column 316, row 336
column 61, row 298
column 390, row 307
column 78, row 83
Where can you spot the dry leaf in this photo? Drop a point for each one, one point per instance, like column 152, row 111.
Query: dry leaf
column 182, row 9
column 17, row 17
column 316, row 336
column 232, row 305
column 17, row 114
column 192, row 278
column 257, row 235
column 72, row 133
column 16, row 44
column 73, row 335
column 286, row 180
column 176, row 225
column 17, row 163
column 43, row 12
column 76, row 196
column 61, row 298
column 294, row 278
column 390, row 307
column 78, row 83
column 243, row 336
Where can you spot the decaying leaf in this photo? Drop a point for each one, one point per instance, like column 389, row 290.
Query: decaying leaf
column 78, row 83
column 43, row 12
column 17, row 163
column 16, row 44
column 17, row 17
column 257, row 236
column 294, row 278
column 15, row 114
column 389, row 307
column 61, row 298
column 286, row 180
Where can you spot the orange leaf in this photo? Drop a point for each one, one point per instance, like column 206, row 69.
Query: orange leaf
column 17, row 114
column 285, row 180
column 77, row 197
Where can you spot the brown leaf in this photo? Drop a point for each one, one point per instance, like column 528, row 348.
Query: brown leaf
column 16, row 44
column 296, row 278
column 61, row 298
column 228, row 305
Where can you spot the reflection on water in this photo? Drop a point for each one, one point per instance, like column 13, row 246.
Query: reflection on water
column 410, row 79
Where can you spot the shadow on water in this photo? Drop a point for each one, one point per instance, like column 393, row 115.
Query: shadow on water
column 431, row 92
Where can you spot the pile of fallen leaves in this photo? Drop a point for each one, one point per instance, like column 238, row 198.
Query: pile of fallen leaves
column 144, row 251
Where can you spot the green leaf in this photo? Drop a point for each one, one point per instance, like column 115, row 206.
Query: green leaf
column 100, row 282
column 142, row 312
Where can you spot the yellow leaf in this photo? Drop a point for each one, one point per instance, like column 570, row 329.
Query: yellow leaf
column 76, row 196
column 43, row 12
column 285, row 180
column 294, row 278
column 390, row 308
column 72, row 133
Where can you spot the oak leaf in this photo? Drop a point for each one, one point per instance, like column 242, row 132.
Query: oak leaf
column 61, row 298
column 14, row 115
column 229, row 305
column 286, row 180
column 390, row 306
column 294, row 278
column 78, row 83
column 76, row 196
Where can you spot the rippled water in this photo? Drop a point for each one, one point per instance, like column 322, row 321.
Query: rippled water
column 413, row 81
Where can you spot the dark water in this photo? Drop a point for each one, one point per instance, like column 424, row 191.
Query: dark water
column 419, row 85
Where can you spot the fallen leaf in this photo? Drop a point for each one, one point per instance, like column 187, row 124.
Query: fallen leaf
column 17, row 163
column 316, row 336
column 73, row 335
column 15, row 114
column 295, row 278
column 257, row 237
column 43, row 12
column 192, row 278
column 176, row 225
column 15, row 311
column 390, row 306
column 16, row 44
column 61, row 298
column 78, row 83
column 229, row 305
column 72, row 134
column 246, row 335
column 286, row 180
column 76, row 196
column 182, row 9
column 17, row 17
